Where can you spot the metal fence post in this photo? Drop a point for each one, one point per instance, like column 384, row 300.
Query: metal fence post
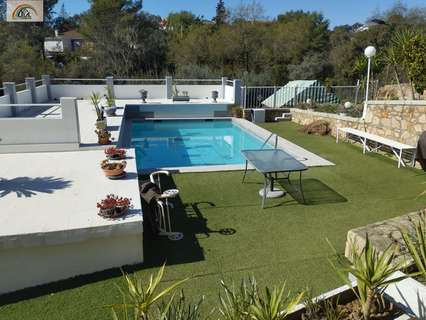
column 47, row 82
column 237, row 92
column 275, row 96
column 356, row 93
column 30, row 84
column 10, row 90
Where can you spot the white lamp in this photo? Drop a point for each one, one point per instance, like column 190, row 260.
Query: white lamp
column 369, row 52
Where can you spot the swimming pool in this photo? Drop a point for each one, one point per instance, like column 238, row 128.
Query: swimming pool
column 188, row 143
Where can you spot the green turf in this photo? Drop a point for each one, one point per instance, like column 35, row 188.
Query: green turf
column 284, row 242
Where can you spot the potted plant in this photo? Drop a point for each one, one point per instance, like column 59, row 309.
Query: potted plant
column 111, row 108
column 310, row 105
column 114, row 153
column 237, row 112
column 144, row 95
column 113, row 169
column 101, row 123
column 103, row 136
column 113, row 206
column 215, row 95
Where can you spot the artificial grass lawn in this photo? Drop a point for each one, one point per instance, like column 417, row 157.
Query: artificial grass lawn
column 228, row 236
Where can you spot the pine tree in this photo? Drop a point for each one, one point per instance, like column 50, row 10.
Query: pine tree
column 221, row 14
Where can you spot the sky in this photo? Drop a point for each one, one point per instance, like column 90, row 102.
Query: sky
column 338, row 12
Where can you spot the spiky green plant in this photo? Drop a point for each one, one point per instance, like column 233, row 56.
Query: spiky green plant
column 110, row 99
column 95, row 99
column 416, row 245
column 140, row 299
column 181, row 309
column 250, row 303
column 372, row 270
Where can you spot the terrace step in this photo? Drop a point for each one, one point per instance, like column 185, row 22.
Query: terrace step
column 286, row 116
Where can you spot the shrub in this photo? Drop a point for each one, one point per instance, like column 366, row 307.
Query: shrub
column 237, row 112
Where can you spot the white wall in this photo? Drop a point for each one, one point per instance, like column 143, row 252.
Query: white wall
column 25, row 267
column 5, row 111
column 229, row 93
column 24, row 97
column 41, row 94
column 155, row 91
column 182, row 110
column 38, row 131
column 76, row 90
column 199, row 91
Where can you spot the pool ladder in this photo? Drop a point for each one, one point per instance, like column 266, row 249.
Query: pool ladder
column 269, row 138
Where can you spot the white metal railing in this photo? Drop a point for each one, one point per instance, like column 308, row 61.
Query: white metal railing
column 286, row 96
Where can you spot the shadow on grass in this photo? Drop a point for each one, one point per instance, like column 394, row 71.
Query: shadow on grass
column 186, row 218
column 315, row 191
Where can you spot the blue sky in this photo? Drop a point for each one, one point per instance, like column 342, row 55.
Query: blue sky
column 337, row 11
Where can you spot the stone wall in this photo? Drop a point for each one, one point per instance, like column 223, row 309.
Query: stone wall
column 402, row 121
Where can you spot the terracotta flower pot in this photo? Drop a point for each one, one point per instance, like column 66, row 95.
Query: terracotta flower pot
column 101, row 124
column 104, row 140
column 116, row 171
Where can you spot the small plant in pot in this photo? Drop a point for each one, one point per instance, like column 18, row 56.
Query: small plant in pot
column 215, row 95
column 111, row 108
column 113, row 169
column 144, row 95
column 100, row 120
column 237, row 112
column 103, row 136
column 114, row 153
column 113, row 206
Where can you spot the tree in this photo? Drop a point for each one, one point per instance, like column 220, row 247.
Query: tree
column 252, row 11
column 221, row 13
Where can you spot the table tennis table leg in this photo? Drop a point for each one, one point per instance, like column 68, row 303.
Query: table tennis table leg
column 301, row 187
column 264, row 190
column 245, row 172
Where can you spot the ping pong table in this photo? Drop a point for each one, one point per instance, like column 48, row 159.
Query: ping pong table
column 270, row 162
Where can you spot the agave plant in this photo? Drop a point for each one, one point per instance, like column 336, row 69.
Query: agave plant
column 250, row 303
column 373, row 271
column 140, row 300
column 110, row 99
column 96, row 98
column 180, row 309
column 416, row 245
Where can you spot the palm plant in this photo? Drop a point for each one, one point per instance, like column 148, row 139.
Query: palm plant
column 95, row 99
column 372, row 270
column 250, row 303
column 416, row 245
column 141, row 299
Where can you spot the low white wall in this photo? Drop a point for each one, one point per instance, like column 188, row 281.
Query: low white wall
column 199, row 91
column 76, row 90
column 229, row 93
column 155, row 91
column 180, row 110
column 27, row 132
column 5, row 111
column 24, row 97
column 41, row 94
column 30, row 266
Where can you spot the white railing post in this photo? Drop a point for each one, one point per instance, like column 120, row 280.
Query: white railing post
column 46, row 80
column 110, row 84
column 10, row 90
column 169, row 87
column 30, row 84
column 224, row 80
column 237, row 91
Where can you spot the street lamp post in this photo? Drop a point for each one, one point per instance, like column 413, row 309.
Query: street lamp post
column 369, row 52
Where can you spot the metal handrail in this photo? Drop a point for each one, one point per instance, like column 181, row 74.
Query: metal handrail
column 29, row 104
column 190, row 80
column 139, row 80
column 270, row 136
column 80, row 79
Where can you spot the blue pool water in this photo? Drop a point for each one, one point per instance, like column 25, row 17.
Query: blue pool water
column 184, row 143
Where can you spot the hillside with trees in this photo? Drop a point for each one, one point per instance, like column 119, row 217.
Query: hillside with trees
column 125, row 41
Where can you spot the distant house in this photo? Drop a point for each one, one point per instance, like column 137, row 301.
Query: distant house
column 61, row 43
column 299, row 91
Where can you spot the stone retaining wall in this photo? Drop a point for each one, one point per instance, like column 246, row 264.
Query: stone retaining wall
column 402, row 121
